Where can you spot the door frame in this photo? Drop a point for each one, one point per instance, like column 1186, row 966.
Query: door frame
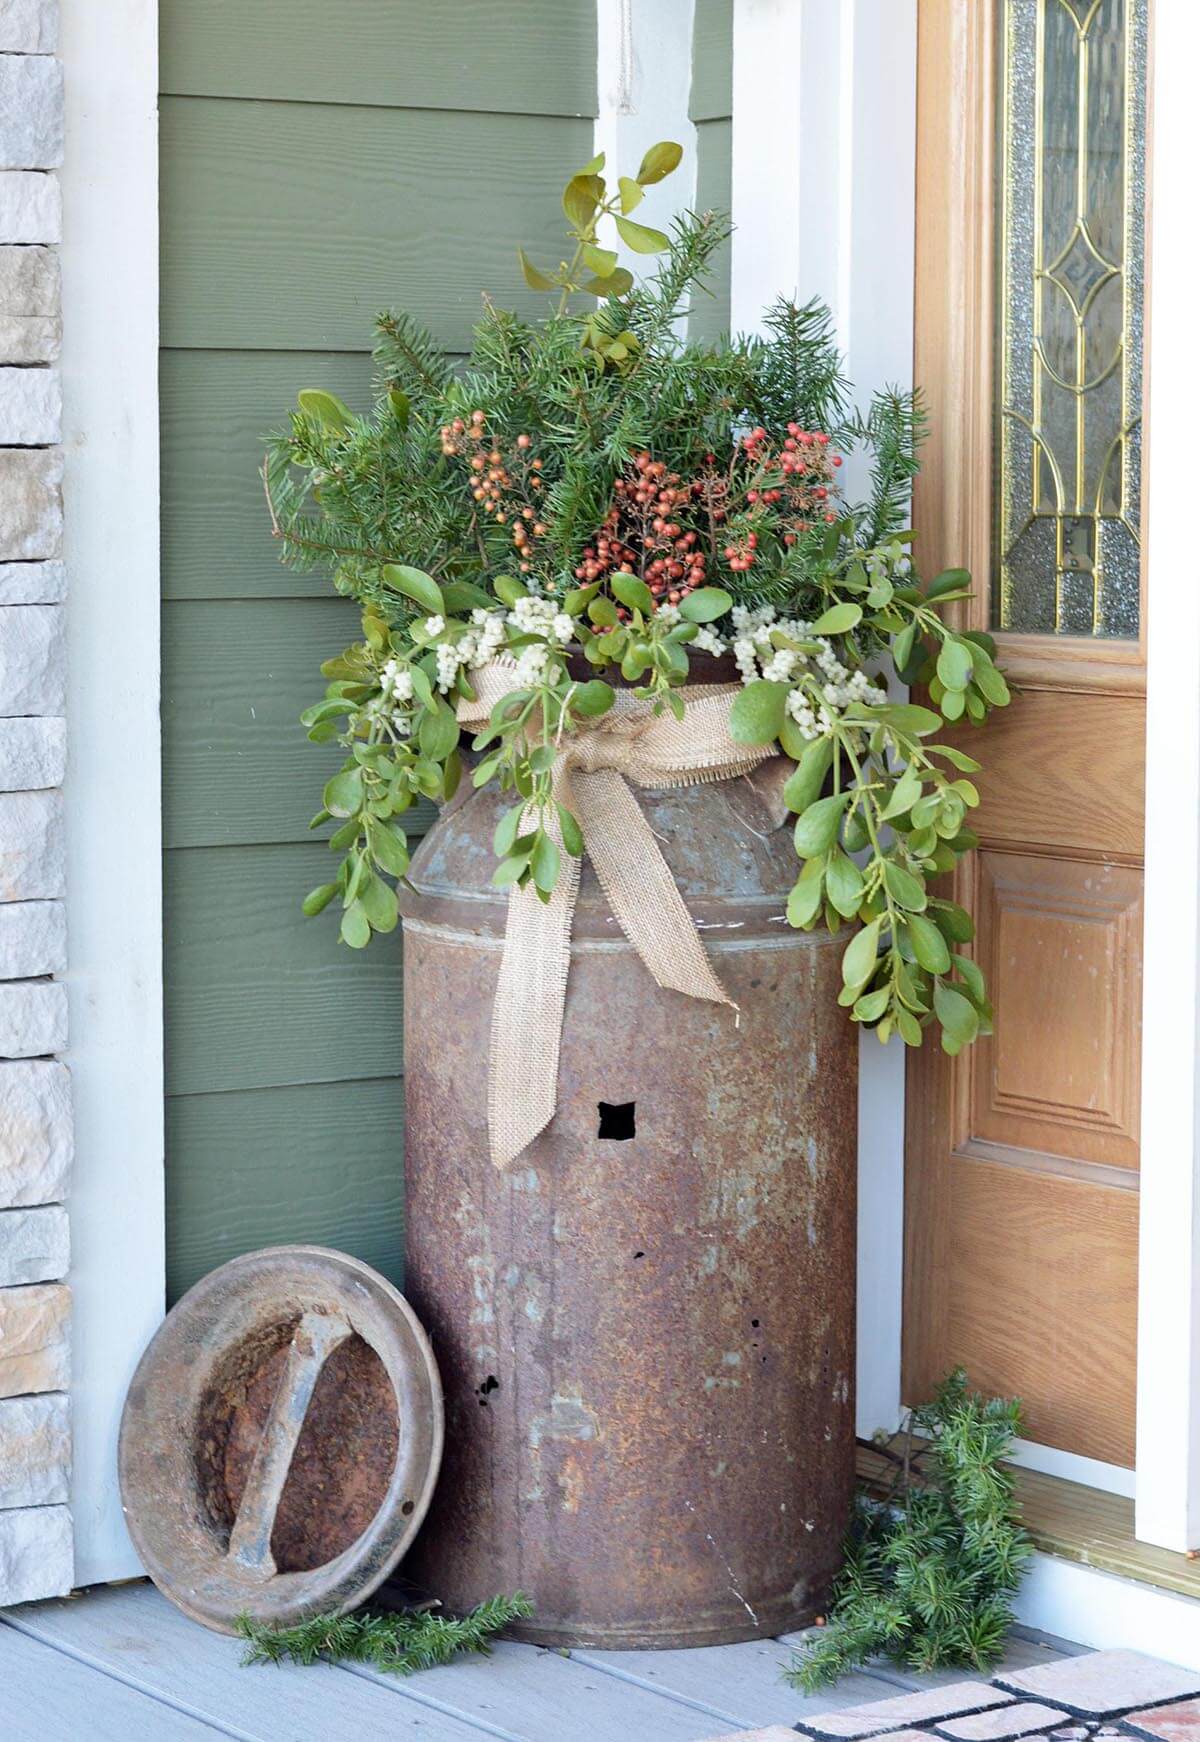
column 110, row 276
column 830, row 239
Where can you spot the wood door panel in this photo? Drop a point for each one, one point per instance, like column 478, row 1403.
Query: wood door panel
column 1065, row 772
column 1049, row 1311
column 1060, row 943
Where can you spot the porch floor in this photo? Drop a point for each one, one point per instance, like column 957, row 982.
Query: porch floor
column 121, row 1665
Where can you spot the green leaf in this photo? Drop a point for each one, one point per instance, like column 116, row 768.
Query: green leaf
column 634, row 593
column 804, row 783
column 460, row 596
column 705, row 605
column 631, row 194
column 509, row 589
column 858, row 962
column 572, row 834
column 956, row 758
column 602, row 612
column 437, row 734
column 957, row 1015
column 378, row 902
column 593, row 698
column 805, row 895
column 545, row 863
column 534, row 277
column 415, row 584
column 389, row 849
column 581, row 196
column 506, row 831
column 991, row 684
column 601, row 261
column 541, row 760
column 904, row 716
column 659, row 162
column 949, row 581
column 318, row 899
column 510, row 870
column 758, row 712
column 618, row 283
column 343, row 794
column 902, row 647
column 952, row 704
column 907, row 1027
column 817, row 828
column 356, row 927
column 928, row 944
column 641, row 238
column 327, row 408
column 954, row 665
column 844, row 881
column 838, row 619
column 871, row 1006
column 953, row 921
column 400, row 407
column 905, row 794
column 905, row 889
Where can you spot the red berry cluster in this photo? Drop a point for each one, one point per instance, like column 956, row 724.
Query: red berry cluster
column 799, row 474
column 502, row 486
column 643, row 535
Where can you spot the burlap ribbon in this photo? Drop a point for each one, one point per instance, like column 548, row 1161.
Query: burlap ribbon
column 590, row 775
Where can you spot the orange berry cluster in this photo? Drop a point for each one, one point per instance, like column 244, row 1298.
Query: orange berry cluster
column 642, row 534
column 799, row 473
column 501, row 484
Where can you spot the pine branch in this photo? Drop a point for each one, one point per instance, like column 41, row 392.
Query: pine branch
column 929, row 1576
column 398, row 1643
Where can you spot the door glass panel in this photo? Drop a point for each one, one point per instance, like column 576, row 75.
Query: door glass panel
column 1070, row 211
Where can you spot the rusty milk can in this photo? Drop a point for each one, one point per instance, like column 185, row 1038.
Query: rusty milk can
column 645, row 1326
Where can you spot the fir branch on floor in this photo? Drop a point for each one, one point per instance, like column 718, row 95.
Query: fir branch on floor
column 396, row 1642
column 931, row 1569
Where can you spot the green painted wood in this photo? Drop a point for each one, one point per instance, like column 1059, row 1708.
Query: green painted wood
column 257, row 995
column 236, row 676
column 532, row 57
column 712, row 61
column 287, row 226
column 320, row 1162
column 216, row 407
column 710, row 312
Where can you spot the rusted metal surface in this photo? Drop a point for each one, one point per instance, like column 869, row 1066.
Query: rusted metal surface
column 647, row 1343
column 281, row 1438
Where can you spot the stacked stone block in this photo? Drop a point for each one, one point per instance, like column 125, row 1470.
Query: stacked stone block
column 35, row 1099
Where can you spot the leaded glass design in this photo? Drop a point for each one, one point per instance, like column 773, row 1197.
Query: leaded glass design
column 1070, row 212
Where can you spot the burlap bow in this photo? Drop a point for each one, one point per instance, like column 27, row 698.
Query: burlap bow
column 630, row 743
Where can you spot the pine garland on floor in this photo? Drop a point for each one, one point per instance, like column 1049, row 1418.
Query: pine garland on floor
column 399, row 1643
column 932, row 1567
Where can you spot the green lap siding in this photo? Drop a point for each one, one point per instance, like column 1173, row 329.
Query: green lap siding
column 711, row 108
column 318, row 163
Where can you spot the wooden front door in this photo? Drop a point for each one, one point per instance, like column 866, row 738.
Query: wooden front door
column 1022, row 1154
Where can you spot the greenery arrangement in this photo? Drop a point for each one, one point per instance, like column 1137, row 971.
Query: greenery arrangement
column 931, row 1566
column 590, row 495
column 398, row 1642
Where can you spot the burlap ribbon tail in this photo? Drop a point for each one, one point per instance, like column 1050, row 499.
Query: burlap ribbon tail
column 591, row 777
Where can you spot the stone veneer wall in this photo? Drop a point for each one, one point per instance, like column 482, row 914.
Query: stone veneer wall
column 35, row 1099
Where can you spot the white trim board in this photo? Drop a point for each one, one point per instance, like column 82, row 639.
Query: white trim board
column 114, row 868
column 837, row 86
column 1168, row 1355
column 1101, row 1610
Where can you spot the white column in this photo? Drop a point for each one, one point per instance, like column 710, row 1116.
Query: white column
column 824, row 191
column 114, row 870
column 1168, row 1399
column 644, row 83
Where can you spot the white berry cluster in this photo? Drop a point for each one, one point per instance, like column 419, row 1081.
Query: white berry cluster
column 821, row 685
column 484, row 639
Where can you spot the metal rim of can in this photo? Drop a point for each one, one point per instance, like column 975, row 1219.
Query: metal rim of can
column 180, row 1545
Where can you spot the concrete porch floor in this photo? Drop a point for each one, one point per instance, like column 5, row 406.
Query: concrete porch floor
column 121, row 1665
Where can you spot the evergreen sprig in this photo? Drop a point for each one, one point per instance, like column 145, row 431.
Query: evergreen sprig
column 931, row 1567
column 398, row 1643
